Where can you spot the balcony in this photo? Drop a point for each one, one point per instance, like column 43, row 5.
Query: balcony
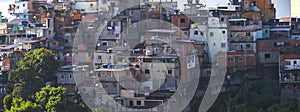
column 291, row 77
column 292, row 67
column 110, row 34
column 242, row 39
column 245, row 28
column 110, row 67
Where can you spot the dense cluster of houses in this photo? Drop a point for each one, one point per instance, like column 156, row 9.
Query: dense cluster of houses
column 149, row 49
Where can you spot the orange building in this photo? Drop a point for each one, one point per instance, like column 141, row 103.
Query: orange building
column 258, row 9
column 180, row 20
column 237, row 60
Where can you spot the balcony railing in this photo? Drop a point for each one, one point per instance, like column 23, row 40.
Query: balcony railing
column 292, row 67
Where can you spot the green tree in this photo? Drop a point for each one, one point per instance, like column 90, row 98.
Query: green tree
column 34, row 70
column 7, row 101
column 284, row 106
column 29, row 94
column 53, row 99
column 20, row 105
column 50, row 98
column 42, row 62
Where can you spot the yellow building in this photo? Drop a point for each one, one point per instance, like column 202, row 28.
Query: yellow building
column 295, row 8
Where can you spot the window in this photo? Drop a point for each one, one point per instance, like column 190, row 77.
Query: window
column 295, row 62
column 211, row 34
column 287, row 63
column 240, row 58
column 267, row 56
column 248, row 46
column 130, row 103
column 48, row 23
column 149, row 60
column 208, row 72
column 214, row 44
column 266, row 31
column 138, row 102
column 62, row 76
column 23, row 5
column 191, row 59
column 147, row 71
column 104, row 43
column 168, row 49
column 248, row 34
column 223, row 45
column 99, row 57
column 91, row 25
column 169, row 71
column 223, row 32
column 182, row 20
column 117, row 35
column 91, row 5
column 70, row 76
column 222, row 19
column 230, row 59
column 201, row 33
column 196, row 32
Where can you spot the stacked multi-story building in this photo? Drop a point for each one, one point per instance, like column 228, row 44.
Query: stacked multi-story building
column 141, row 53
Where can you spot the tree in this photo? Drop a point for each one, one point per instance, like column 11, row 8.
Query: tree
column 29, row 92
column 7, row 101
column 20, row 105
column 42, row 62
column 284, row 106
column 34, row 70
column 262, row 96
column 50, row 98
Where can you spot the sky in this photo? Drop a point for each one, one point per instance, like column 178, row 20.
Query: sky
column 282, row 6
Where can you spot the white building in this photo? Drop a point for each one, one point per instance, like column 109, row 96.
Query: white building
column 217, row 36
